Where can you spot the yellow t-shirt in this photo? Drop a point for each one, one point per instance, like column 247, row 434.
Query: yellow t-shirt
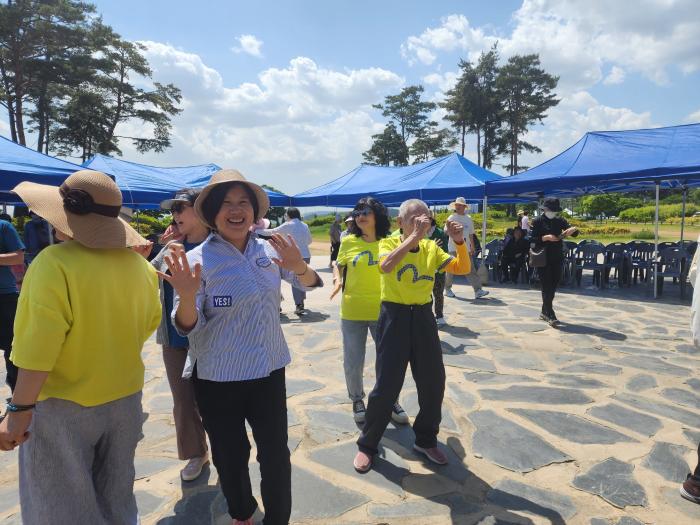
column 360, row 300
column 412, row 280
column 83, row 316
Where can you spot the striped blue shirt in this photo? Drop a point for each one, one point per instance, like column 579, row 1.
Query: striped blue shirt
column 238, row 335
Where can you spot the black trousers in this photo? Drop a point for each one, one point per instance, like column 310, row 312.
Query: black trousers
column 510, row 268
column 406, row 334
column 550, row 275
column 8, row 308
column 225, row 407
column 335, row 247
column 438, row 294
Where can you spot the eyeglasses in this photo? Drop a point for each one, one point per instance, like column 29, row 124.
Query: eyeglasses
column 179, row 206
column 364, row 212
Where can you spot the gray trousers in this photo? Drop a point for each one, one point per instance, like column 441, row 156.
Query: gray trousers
column 78, row 464
column 300, row 295
column 472, row 276
column 354, row 343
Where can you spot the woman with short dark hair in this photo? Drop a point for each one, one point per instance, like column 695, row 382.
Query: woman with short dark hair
column 226, row 303
column 359, row 307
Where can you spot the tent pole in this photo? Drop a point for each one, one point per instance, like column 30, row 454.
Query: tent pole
column 483, row 229
column 685, row 197
column 138, row 224
column 656, row 242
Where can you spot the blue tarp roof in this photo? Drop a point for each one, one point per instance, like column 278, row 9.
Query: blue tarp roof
column 607, row 161
column 437, row 181
column 146, row 186
column 18, row 164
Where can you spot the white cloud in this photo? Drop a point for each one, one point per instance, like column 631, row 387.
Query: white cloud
column 616, row 76
column 576, row 44
column 443, row 81
column 293, row 127
column 249, row 44
column 693, row 118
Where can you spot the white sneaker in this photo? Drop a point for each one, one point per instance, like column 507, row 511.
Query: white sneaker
column 194, row 467
column 399, row 415
column 449, row 293
column 440, row 321
column 481, row 293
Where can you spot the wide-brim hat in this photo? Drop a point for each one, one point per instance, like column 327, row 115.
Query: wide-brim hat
column 225, row 177
column 188, row 195
column 551, row 204
column 85, row 207
column 458, row 200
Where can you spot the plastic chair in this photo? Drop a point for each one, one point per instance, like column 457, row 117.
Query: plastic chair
column 667, row 244
column 671, row 263
column 618, row 259
column 640, row 254
column 568, row 262
column 590, row 257
column 492, row 256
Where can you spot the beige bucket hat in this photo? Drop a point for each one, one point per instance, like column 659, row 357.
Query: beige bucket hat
column 224, row 177
column 458, row 200
column 85, row 207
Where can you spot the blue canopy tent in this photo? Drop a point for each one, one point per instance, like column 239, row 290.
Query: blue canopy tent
column 615, row 161
column 18, row 163
column 146, row 186
column 437, row 181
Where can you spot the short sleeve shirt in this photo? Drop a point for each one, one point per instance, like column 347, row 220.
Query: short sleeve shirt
column 9, row 242
column 466, row 221
column 411, row 281
column 361, row 297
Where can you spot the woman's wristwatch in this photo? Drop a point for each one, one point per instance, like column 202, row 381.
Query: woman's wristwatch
column 12, row 407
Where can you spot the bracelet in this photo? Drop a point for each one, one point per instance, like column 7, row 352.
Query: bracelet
column 302, row 273
column 11, row 407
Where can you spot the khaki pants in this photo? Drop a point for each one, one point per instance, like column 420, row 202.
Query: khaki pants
column 191, row 440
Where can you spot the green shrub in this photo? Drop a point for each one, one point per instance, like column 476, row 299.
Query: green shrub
column 647, row 213
column 644, row 235
column 321, row 220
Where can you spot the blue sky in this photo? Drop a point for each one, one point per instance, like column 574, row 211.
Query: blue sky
column 283, row 90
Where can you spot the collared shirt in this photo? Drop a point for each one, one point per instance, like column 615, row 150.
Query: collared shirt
column 298, row 230
column 238, row 335
column 468, row 224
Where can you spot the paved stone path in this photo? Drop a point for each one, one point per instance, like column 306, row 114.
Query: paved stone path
column 594, row 423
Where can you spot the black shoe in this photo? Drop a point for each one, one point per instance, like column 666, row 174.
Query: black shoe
column 300, row 309
column 358, row 411
column 544, row 317
column 690, row 489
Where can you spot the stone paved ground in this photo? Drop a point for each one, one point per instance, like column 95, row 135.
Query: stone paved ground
column 594, row 423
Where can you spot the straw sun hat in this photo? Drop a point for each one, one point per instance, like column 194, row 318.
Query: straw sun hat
column 85, row 207
column 225, row 177
column 458, row 200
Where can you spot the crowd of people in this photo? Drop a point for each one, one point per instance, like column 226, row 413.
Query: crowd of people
column 90, row 301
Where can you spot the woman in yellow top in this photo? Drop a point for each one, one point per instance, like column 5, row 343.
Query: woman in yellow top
column 86, row 308
column 356, row 273
column 407, row 331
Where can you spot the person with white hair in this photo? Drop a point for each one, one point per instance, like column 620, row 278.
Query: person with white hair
column 407, row 331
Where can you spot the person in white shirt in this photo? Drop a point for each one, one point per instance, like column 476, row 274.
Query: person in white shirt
column 301, row 234
column 525, row 222
column 460, row 216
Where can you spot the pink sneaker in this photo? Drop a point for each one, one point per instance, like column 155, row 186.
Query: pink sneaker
column 362, row 462
column 434, row 454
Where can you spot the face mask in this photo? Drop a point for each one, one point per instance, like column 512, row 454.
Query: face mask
column 550, row 214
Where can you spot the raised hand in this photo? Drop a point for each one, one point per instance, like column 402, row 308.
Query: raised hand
column 143, row 250
column 456, row 231
column 185, row 280
column 289, row 255
column 422, row 225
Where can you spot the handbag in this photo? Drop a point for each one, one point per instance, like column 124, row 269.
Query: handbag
column 538, row 258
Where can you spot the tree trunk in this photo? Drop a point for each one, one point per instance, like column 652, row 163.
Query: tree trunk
column 464, row 133
column 9, row 100
column 478, row 146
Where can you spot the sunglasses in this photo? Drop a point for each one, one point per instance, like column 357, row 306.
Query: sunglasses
column 364, row 212
column 178, row 207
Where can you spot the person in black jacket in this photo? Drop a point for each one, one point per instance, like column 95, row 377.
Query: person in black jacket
column 514, row 255
column 548, row 231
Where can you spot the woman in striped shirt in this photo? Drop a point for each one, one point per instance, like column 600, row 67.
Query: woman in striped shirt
column 227, row 300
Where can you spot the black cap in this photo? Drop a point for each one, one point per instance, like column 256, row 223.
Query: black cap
column 551, row 204
column 188, row 195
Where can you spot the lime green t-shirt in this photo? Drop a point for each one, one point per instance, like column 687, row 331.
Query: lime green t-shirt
column 360, row 300
column 83, row 316
column 412, row 280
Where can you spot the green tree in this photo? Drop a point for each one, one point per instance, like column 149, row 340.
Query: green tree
column 275, row 213
column 431, row 143
column 525, row 91
column 407, row 111
column 388, row 148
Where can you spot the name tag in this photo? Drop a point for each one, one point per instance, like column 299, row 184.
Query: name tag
column 222, row 301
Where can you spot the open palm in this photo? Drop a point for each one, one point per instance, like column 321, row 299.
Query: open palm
column 185, row 280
